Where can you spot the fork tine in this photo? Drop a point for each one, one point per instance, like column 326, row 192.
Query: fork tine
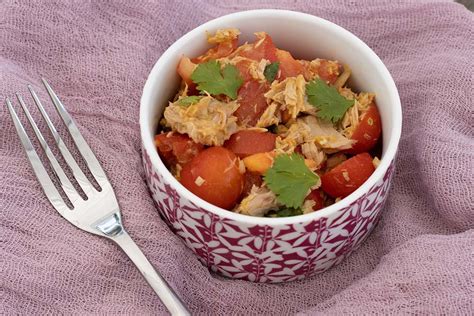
column 63, row 179
column 41, row 174
column 82, row 146
column 80, row 177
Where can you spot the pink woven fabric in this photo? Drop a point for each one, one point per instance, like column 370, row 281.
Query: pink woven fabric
column 97, row 55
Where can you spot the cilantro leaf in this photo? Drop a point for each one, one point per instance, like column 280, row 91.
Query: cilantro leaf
column 271, row 71
column 209, row 78
column 330, row 104
column 290, row 179
column 187, row 101
column 285, row 212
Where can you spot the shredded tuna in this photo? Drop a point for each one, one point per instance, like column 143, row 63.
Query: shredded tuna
column 258, row 203
column 257, row 69
column 237, row 52
column 290, row 95
column 325, row 135
column 310, row 129
column 308, row 206
column 376, row 162
column 351, row 118
column 298, row 133
column 270, row 116
column 183, row 91
column 311, row 151
column 223, row 35
column 350, row 121
column 209, row 122
column 342, row 79
column 347, row 93
column 261, row 37
column 257, row 129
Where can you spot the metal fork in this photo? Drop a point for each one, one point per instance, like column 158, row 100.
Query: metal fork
column 98, row 214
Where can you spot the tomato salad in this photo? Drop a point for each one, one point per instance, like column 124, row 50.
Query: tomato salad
column 255, row 131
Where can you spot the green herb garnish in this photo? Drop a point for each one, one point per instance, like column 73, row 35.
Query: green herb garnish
column 290, row 179
column 271, row 71
column 209, row 78
column 330, row 104
column 285, row 212
column 187, row 101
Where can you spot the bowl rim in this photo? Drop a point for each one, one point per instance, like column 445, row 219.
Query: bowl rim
column 385, row 162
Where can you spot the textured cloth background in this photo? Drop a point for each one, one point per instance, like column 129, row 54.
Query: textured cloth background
column 97, row 55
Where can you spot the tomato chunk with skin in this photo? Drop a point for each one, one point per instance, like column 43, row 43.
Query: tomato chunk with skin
column 243, row 67
column 289, row 67
column 345, row 178
column 220, row 50
column 368, row 132
column 261, row 49
column 176, row 148
column 185, row 69
column 252, row 102
column 328, row 70
column 214, row 176
column 248, row 142
column 317, row 196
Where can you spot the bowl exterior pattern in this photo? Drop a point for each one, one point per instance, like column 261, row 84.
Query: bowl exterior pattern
column 263, row 253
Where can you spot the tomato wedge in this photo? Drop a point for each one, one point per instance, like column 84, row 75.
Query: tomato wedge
column 252, row 102
column 176, row 148
column 214, row 175
column 347, row 176
column 262, row 48
column 248, row 142
column 289, row 67
column 368, row 132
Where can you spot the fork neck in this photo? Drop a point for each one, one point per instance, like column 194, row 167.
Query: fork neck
column 111, row 226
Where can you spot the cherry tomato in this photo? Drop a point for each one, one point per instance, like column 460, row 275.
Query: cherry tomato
column 368, row 132
column 248, row 142
column 221, row 50
column 176, row 148
column 289, row 67
column 252, row 102
column 214, row 176
column 261, row 49
column 250, row 180
column 318, row 197
column 347, row 176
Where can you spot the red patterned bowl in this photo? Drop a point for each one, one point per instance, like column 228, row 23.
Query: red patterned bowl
column 273, row 249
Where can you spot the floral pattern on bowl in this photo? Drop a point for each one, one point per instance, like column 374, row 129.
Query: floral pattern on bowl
column 268, row 253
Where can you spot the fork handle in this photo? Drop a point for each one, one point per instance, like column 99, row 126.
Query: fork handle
column 166, row 294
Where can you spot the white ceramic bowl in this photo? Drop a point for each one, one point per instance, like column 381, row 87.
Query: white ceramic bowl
column 273, row 249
